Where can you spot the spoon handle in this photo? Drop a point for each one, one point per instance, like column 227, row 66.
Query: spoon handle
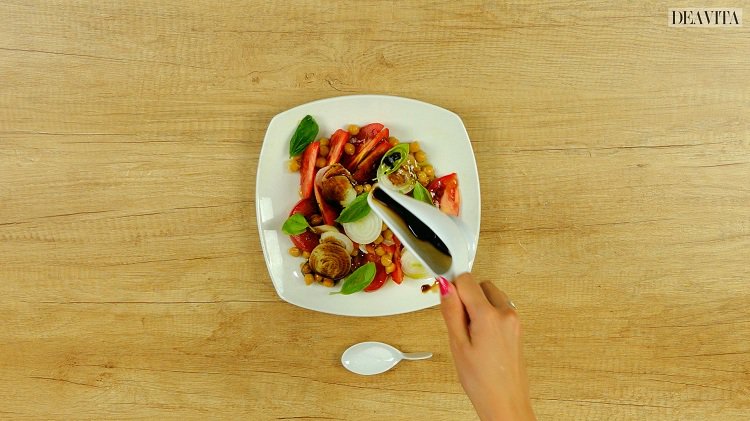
column 417, row 355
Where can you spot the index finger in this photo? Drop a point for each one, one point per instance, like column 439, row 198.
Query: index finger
column 471, row 295
column 498, row 298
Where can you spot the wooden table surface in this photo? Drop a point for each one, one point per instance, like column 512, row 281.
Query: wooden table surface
column 614, row 164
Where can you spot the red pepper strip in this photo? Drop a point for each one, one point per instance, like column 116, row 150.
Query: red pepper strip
column 308, row 240
column 328, row 211
column 379, row 280
column 307, row 169
column 396, row 241
column 367, row 168
column 398, row 273
column 338, row 141
column 367, row 147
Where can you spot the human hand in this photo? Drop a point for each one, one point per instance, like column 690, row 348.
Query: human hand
column 485, row 339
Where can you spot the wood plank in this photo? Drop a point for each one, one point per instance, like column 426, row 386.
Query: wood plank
column 614, row 165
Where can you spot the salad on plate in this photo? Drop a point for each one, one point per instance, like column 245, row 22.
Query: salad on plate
column 339, row 240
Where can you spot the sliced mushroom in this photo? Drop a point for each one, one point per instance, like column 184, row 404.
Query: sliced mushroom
column 331, row 260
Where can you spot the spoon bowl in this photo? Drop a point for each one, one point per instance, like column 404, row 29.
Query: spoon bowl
column 370, row 358
column 447, row 254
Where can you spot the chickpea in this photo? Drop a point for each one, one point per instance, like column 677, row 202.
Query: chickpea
column 393, row 141
column 318, row 278
column 385, row 261
column 306, row 254
column 383, row 227
column 323, row 150
column 378, row 240
column 320, row 162
column 306, row 268
column 388, row 235
column 359, row 188
column 391, row 268
column 353, row 129
column 309, row 278
column 294, row 251
column 414, row 147
column 420, row 157
column 316, row 220
column 368, row 187
column 349, row 149
column 323, row 141
column 380, row 251
column 422, row 178
column 429, row 171
column 293, row 165
column 328, row 282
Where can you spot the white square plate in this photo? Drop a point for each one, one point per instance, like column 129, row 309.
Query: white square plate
column 442, row 136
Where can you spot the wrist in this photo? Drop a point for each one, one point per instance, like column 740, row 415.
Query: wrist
column 507, row 411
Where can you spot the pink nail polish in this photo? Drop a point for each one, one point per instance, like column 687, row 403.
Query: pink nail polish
column 445, row 286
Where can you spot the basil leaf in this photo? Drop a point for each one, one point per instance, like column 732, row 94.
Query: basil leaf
column 296, row 224
column 393, row 159
column 358, row 209
column 303, row 136
column 421, row 193
column 358, row 280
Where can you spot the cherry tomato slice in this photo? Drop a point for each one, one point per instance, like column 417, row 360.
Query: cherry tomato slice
column 308, row 240
column 366, row 170
column 307, row 207
column 366, row 148
column 338, row 141
column 307, row 169
column 379, row 280
column 369, row 131
column 445, row 193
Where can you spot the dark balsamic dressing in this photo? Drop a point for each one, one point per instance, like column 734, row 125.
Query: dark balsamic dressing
column 420, row 230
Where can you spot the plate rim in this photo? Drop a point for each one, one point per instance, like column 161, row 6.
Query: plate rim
column 279, row 288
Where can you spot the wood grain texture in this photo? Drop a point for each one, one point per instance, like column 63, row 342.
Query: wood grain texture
column 614, row 163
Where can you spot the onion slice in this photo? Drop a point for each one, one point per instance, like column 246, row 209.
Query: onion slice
column 330, row 260
column 411, row 266
column 405, row 177
column 335, row 184
column 320, row 229
column 338, row 238
column 365, row 230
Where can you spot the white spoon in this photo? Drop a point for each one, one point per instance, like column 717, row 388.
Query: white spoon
column 403, row 214
column 368, row 358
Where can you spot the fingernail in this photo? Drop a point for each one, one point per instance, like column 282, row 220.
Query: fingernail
column 445, row 286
